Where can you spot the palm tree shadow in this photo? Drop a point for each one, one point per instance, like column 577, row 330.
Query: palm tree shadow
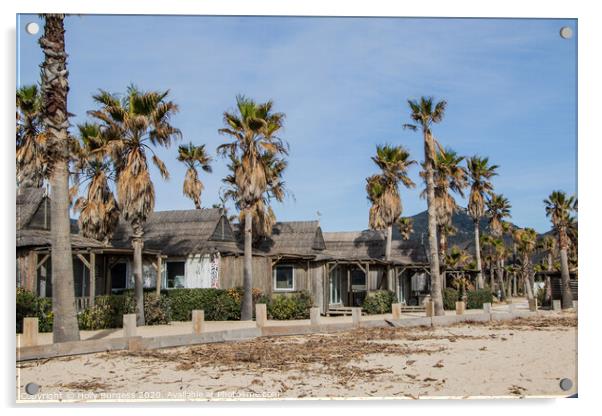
column 104, row 333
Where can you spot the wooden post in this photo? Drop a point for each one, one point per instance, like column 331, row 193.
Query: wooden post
column 556, row 305
column 92, row 278
column 429, row 306
column 32, row 275
column 314, row 316
column 159, row 274
column 460, row 307
column 261, row 314
column 356, row 316
column 396, row 311
column 30, row 332
column 533, row 305
column 198, row 320
column 129, row 325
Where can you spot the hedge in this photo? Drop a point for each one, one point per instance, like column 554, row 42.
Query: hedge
column 476, row 298
column 218, row 304
column 450, row 297
column 285, row 306
column 31, row 306
column 379, row 302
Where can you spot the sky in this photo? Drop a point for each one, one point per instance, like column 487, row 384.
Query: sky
column 343, row 84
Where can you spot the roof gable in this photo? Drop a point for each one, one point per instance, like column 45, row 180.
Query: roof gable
column 29, row 208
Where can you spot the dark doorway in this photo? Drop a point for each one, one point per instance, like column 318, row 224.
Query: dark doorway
column 118, row 276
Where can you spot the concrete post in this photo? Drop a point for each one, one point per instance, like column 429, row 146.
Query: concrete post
column 356, row 316
column 129, row 325
column 314, row 316
column 575, row 305
column 30, row 332
column 430, row 308
column 460, row 308
column 533, row 305
column 198, row 321
column 261, row 314
column 487, row 307
column 396, row 310
column 556, row 305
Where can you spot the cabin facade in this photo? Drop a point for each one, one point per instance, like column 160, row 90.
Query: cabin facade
column 201, row 249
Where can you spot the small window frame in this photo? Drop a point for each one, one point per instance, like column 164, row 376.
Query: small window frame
column 274, row 272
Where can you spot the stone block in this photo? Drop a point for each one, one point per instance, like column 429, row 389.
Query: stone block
column 314, row 316
column 556, row 305
column 396, row 311
column 460, row 308
column 198, row 321
column 356, row 316
column 30, row 332
column 487, row 307
column 129, row 325
column 261, row 314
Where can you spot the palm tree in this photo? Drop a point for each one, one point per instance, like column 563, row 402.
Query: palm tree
column 526, row 242
column 55, row 87
column 558, row 208
column 479, row 174
column 498, row 208
column 406, row 227
column 383, row 193
column 131, row 126
column 194, row 157
column 547, row 246
column 98, row 210
column 448, row 176
column 252, row 129
column 456, row 259
column 31, row 138
column 426, row 113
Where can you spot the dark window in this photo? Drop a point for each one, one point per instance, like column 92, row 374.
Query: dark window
column 175, row 274
column 118, row 273
column 284, row 278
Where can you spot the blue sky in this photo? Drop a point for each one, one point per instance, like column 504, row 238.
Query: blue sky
column 343, row 84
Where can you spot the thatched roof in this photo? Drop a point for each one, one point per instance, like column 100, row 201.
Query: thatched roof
column 28, row 202
column 369, row 245
column 290, row 238
column 41, row 238
column 181, row 232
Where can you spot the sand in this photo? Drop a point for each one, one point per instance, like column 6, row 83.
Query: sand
column 521, row 358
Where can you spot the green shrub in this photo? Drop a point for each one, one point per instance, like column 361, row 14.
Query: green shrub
column 450, row 297
column 379, row 302
column 218, row 304
column 31, row 306
column 285, row 306
column 541, row 296
column 476, row 298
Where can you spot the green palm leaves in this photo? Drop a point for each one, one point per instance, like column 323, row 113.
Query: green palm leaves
column 31, row 140
column 480, row 173
column 194, row 157
column 383, row 189
column 498, row 208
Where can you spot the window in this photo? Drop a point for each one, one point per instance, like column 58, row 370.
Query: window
column 284, row 278
column 175, row 274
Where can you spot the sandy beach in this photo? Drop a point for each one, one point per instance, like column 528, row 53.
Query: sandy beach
column 520, row 358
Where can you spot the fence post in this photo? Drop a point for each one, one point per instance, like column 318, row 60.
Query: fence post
column 30, row 332
column 487, row 307
column 261, row 314
column 129, row 325
column 198, row 321
column 429, row 306
column 556, row 305
column 314, row 316
column 356, row 316
column 460, row 307
column 396, row 311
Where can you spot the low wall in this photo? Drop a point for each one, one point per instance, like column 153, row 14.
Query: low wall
column 137, row 343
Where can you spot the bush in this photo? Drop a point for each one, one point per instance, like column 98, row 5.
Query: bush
column 450, row 297
column 288, row 305
column 379, row 302
column 476, row 298
column 218, row 304
column 31, row 306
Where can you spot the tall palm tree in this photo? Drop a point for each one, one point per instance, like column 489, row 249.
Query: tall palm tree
column 194, row 157
column 425, row 112
column 498, row 208
column 98, row 209
column 383, row 193
column 449, row 177
column 526, row 241
column 480, row 173
column 406, row 227
column 252, row 129
column 559, row 207
column 547, row 246
column 31, row 138
column 131, row 126
column 55, row 86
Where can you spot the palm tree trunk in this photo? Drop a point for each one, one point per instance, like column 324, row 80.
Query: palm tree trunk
column 246, row 311
column 436, row 295
column 477, row 242
column 500, row 280
column 548, row 284
column 55, row 87
column 567, row 295
column 138, row 244
column 388, row 257
column 197, row 204
column 527, row 278
column 442, row 253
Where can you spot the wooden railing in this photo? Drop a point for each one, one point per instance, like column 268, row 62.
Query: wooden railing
column 81, row 303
